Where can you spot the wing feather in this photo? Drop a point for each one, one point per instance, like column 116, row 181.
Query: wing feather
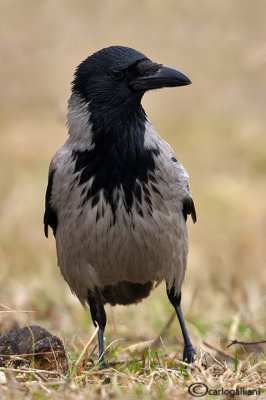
column 50, row 217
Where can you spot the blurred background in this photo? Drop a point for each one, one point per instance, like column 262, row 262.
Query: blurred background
column 216, row 126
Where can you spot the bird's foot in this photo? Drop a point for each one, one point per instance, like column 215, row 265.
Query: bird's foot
column 103, row 366
column 189, row 354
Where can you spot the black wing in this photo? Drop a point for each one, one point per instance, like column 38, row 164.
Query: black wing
column 189, row 209
column 50, row 217
column 188, row 203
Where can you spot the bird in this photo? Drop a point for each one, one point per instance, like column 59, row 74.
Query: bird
column 117, row 198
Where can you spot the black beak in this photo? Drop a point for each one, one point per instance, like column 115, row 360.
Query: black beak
column 164, row 77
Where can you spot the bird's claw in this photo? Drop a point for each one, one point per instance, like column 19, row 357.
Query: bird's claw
column 189, row 354
column 103, row 365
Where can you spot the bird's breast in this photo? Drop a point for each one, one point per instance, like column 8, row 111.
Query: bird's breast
column 147, row 243
column 127, row 229
column 122, row 170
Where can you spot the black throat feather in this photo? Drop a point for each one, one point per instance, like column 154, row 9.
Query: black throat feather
column 118, row 160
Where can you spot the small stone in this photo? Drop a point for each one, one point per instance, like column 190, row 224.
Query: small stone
column 34, row 344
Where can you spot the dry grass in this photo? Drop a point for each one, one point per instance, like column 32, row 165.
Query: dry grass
column 148, row 374
column 217, row 127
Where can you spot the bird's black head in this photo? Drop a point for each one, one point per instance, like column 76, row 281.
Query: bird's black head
column 115, row 79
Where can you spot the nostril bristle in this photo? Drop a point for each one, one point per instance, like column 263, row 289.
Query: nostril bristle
column 147, row 67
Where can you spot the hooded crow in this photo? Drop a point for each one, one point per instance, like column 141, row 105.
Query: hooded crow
column 117, row 198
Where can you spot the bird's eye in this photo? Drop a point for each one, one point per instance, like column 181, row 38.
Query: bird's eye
column 117, row 75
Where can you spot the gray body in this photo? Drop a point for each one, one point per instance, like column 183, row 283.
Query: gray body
column 135, row 249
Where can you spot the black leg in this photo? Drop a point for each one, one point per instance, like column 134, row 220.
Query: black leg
column 98, row 317
column 189, row 351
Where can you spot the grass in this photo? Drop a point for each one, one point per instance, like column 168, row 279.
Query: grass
column 146, row 374
column 217, row 127
column 140, row 369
